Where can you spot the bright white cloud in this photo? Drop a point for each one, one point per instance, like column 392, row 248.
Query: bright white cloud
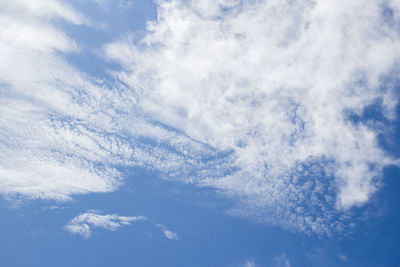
column 272, row 83
column 62, row 132
column 84, row 223
column 45, row 140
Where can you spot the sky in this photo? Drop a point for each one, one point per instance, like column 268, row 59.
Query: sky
column 199, row 133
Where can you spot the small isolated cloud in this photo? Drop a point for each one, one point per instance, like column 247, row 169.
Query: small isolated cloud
column 85, row 222
column 168, row 234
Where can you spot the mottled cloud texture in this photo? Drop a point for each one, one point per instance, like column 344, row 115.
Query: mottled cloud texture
column 256, row 99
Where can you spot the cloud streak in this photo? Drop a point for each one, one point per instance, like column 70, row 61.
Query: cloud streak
column 85, row 222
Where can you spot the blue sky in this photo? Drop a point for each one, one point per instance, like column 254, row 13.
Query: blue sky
column 199, row 133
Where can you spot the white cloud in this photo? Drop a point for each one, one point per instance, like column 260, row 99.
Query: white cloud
column 248, row 97
column 168, row 234
column 84, row 223
column 272, row 83
column 36, row 84
column 62, row 132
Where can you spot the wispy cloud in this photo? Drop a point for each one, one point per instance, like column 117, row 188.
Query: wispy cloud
column 84, row 223
column 45, row 9
column 61, row 131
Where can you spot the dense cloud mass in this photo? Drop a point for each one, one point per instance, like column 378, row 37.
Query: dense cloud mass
column 254, row 98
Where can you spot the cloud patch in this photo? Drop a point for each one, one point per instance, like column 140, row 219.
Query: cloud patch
column 271, row 84
column 168, row 233
column 84, row 223
column 63, row 132
column 252, row 98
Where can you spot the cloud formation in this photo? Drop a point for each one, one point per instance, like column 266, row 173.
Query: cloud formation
column 168, row 234
column 256, row 99
column 56, row 130
column 61, row 131
column 273, row 84
column 85, row 222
